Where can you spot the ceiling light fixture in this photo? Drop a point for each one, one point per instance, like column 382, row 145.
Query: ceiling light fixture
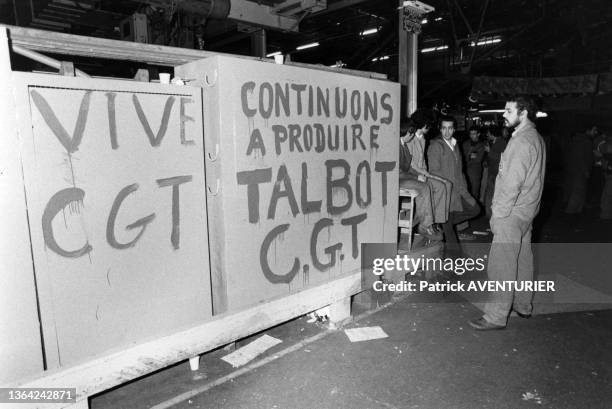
column 369, row 31
column 486, row 41
column 305, row 46
column 491, row 111
column 432, row 49
column 274, row 53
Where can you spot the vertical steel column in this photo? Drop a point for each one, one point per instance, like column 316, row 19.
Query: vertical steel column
column 258, row 43
column 407, row 65
column 413, row 70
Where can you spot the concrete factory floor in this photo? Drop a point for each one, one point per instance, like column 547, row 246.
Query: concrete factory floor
column 559, row 358
column 431, row 359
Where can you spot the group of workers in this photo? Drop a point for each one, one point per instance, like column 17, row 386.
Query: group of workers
column 506, row 174
column 515, row 184
column 585, row 152
column 449, row 179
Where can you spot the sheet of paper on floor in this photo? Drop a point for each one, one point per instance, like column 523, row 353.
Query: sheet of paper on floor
column 365, row 333
column 250, row 351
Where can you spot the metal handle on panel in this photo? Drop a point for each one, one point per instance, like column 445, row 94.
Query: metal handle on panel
column 214, row 158
column 216, row 190
column 207, row 80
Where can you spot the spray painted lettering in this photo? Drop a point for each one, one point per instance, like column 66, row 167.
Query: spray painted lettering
column 302, row 119
column 76, row 197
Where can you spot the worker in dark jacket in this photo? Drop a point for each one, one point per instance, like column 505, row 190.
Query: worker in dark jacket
column 516, row 202
column 424, row 208
column 445, row 162
column 579, row 165
column 473, row 155
column 414, row 140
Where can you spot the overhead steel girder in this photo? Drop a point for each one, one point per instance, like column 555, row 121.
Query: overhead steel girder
column 338, row 5
column 298, row 7
column 241, row 11
column 248, row 12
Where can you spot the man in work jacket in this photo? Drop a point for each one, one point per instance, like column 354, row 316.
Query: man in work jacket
column 474, row 155
column 424, row 209
column 445, row 162
column 414, row 141
column 516, row 202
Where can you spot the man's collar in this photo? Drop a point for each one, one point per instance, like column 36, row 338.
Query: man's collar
column 451, row 143
column 523, row 125
column 409, row 137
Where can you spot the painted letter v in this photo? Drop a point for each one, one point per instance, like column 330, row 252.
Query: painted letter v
column 70, row 143
column 163, row 127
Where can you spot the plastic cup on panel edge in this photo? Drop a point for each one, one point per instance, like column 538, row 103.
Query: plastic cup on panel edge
column 164, row 78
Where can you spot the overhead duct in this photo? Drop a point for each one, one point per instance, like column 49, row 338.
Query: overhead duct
column 218, row 9
column 297, row 7
column 240, row 11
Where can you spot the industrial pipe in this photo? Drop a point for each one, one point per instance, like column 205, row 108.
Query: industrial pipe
column 217, row 9
column 43, row 59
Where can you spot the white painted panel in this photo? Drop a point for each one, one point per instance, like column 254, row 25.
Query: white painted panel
column 114, row 176
column 305, row 216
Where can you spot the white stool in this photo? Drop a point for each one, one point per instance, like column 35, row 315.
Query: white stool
column 406, row 213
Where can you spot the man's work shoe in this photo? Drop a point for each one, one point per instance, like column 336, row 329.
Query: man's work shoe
column 430, row 233
column 523, row 315
column 481, row 324
column 466, row 237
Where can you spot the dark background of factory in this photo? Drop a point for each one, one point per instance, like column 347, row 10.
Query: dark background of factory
column 523, row 39
column 470, row 56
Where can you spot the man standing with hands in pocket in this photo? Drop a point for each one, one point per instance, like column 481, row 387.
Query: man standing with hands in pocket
column 516, row 202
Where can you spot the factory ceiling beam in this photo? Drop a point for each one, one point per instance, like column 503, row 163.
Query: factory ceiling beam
column 68, row 44
column 338, row 5
column 383, row 44
column 242, row 11
column 299, row 7
column 452, row 21
column 482, row 19
column 248, row 12
column 508, row 40
column 465, row 20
